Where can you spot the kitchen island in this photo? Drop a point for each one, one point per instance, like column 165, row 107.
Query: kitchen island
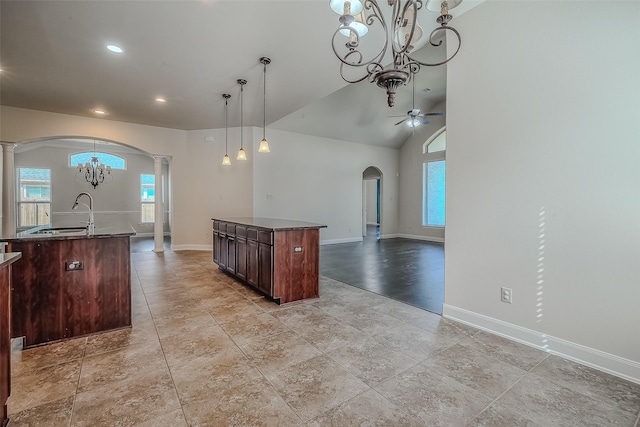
column 6, row 261
column 70, row 283
column 279, row 258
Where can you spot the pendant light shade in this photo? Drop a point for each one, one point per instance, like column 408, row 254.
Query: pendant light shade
column 226, row 161
column 264, row 145
column 241, row 153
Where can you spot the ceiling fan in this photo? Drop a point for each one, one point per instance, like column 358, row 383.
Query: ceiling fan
column 414, row 118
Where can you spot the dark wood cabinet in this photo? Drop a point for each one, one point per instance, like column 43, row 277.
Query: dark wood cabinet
column 252, row 262
column 231, row 253
column 224, row 251
column 265, row 269
column 279, row 258
column 216, row 246
column 5, row 331
column 54, row 300
column 241, row 257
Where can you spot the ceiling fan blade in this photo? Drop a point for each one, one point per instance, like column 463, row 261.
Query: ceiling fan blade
column 423, row 120
column 432, row 114
column 404, row 115
column 401, row 121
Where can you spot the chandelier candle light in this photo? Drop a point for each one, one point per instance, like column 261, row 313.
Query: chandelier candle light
column 403, row 36
column 94, row 171
column 226, row 161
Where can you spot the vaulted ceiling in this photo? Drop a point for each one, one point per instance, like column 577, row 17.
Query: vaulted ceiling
column 53, row 57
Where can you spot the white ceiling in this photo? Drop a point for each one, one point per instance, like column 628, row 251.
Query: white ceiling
column 54, row 58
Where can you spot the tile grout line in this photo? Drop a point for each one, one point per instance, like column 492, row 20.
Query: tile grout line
column 75, row 394
column 164, row 356
column 527, row 372
column 264, row 376
column 637, row 424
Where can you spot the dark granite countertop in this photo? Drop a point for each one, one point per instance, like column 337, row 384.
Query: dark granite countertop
column 9, row 258
column 271, row 223
column 40, row 233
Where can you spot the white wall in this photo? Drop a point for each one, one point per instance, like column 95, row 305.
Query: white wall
column 310, row 179
column 214, row 190
column 411, row 161
column 319, row 180
column 543, row 182
column 116, row 202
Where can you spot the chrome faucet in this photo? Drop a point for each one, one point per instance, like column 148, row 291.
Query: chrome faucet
column 91, row 226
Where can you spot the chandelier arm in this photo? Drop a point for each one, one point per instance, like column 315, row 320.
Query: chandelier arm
column 398, row 46
column 435, row 64
column 352, row 45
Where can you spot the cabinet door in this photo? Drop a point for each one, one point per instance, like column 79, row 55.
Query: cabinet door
column 241, row 257
column 222, row 257
column 37, row 294
column 231, row 254
column 53, row 302
column 265, row 268
column 252, row 262
column 216, row 247
column 5, row 339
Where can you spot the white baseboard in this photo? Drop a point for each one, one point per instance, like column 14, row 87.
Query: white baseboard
column 425, row 238
column 609, row 363
column 335, row 241
column 177, row 248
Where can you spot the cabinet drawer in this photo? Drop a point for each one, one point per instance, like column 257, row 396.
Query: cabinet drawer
column 265, row 237
column 231, row 229
column 222, row 227
column 241, row 231
column 216, row 225
column 252, row 234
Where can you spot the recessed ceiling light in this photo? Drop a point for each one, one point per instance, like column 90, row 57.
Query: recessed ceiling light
column 161, row 100
column 100, row 112
column 115, row 49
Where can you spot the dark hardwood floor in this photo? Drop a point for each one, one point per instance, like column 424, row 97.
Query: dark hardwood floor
column 411, row 271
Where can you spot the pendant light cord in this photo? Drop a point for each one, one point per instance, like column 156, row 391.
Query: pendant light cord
column 226, row 125
column 264, row 100
column 241, row 115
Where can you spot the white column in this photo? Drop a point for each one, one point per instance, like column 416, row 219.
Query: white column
column 8, row 190
column 158, row 228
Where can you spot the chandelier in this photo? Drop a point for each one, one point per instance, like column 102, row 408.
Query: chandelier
column 94, row 171
column 402, row 35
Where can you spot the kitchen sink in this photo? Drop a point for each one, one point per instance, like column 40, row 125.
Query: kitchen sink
column 61, row 230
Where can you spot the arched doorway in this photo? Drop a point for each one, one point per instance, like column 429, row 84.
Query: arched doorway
column 371, row 203
column 126, row 196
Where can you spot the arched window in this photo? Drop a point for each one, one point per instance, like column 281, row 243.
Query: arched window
column 433, row 180
column 107, row 159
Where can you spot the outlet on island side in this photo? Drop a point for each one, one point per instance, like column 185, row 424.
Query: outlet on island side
column 506, row 295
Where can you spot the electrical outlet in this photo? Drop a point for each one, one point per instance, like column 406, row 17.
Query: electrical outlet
column 506, row 295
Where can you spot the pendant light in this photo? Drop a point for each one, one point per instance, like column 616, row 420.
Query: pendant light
column 241, row 154
column 264, row 145
column 226, row 161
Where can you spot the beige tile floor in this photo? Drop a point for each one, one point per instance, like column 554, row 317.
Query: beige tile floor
column 207, row 351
